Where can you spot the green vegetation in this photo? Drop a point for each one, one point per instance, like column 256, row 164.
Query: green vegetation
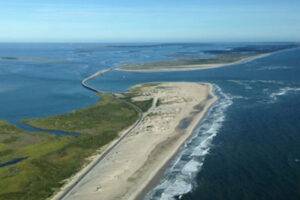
column 158, row 102
column 92, row 120
column 144, row 105
column 136, row 91
column 50, row 159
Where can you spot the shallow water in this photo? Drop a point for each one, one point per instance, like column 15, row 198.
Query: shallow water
column 12, row 162
column 246, row 148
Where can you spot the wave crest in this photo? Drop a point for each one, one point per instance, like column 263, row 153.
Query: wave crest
column 179, row 177
column 281, row 92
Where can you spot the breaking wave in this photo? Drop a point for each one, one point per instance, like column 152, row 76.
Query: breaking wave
column 273, row 68
column 180, row 176
column 242, row 83
column 281, row 92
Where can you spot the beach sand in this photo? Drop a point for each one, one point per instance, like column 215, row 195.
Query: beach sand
column 131, row 168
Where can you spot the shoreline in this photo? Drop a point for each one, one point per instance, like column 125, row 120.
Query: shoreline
column 157, row 177
column 199, row 66
column 141, row 172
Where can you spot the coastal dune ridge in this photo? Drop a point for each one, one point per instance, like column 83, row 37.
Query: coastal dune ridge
column 129, row 171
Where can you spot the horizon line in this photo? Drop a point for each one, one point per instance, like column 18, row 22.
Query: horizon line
column 146, row 42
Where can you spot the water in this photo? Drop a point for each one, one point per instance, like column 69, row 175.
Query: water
column 12, row 162
column 38, row 130
column 179, row 177
column 247, row 147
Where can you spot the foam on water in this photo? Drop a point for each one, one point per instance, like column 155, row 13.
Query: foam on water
column 267, row 82
column 180, row 175
column 273, row 68
column 239, row 97
column 281, row 92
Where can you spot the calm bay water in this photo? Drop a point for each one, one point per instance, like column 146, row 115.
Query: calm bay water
column 246, row 148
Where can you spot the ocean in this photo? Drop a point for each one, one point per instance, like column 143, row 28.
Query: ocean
column 247, row 146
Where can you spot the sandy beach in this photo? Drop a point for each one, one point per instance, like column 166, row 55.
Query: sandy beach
column 128, row 171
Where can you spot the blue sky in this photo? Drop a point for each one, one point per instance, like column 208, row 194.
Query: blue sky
column 149, row 20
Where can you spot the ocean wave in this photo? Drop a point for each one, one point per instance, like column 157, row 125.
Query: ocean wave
column 180, row 175
column 242, row 83
column 246, row 82
column 239, row 97
column 266, row 82
column 281, row 92
column 273, row 68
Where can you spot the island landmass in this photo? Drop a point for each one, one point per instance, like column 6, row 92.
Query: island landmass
column 216, row 58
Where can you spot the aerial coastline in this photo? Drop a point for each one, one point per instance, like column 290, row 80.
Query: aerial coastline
column 150, row 100
column 162, row 129
column 143, row 97
column 111, row 131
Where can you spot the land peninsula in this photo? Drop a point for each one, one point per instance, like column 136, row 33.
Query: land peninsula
column 128, row 171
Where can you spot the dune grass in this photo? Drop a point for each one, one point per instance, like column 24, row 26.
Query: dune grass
column 136, row 91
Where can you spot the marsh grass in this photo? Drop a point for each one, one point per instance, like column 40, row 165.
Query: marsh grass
column 51, row 160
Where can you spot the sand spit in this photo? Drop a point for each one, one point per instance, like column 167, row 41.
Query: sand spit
column 201, row 66
column 130, row 167
column 194, row 67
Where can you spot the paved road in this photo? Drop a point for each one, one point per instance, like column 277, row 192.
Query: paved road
column 107, row 152
column 100, row 73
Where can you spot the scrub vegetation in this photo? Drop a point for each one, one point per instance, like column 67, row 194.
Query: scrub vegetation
column 144, row 105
